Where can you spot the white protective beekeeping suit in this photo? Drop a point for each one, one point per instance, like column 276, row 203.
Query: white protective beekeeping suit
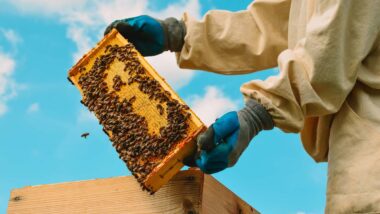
column 328, row 88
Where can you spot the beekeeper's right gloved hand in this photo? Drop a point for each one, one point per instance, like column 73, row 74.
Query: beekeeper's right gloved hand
column 225, row 140
column 151, row 36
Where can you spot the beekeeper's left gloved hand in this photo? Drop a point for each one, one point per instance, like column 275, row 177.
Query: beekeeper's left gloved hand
column 151, row 36
column 223, row 142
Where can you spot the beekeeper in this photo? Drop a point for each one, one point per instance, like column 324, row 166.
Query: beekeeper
column 328, row 87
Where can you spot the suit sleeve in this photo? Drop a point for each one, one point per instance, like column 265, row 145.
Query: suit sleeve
column 316, row 76
column 236, row 42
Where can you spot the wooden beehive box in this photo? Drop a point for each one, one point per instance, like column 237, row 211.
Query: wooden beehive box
column 189, row 192
column 150, row 126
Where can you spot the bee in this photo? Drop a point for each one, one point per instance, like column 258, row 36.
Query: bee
column 107, row 48
column 85, row 135
column 132, row 99
column 130, row 80
column 160, row 109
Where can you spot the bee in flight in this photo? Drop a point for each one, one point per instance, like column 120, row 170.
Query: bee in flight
column 85, row 135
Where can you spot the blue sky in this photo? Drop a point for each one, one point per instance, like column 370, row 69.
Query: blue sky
column 41, row 118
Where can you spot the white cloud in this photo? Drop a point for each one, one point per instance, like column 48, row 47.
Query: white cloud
column 212, row 104
column 8, row 87
column 300, row 212
column 166, row 66
column 11, row 36
column 7, row 84
column 83, row 42
column 46, row 6
column 7, row 65
column 176, row 10
column 86, row 21
column 34, row 107
column 108, row 11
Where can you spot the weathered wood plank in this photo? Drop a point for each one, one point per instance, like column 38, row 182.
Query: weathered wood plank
column 214, row 192
column 112, row 195
column 189, row 192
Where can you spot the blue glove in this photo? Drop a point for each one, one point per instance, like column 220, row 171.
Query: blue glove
column 151, row 36
column 221, row 145
column 217, row 143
